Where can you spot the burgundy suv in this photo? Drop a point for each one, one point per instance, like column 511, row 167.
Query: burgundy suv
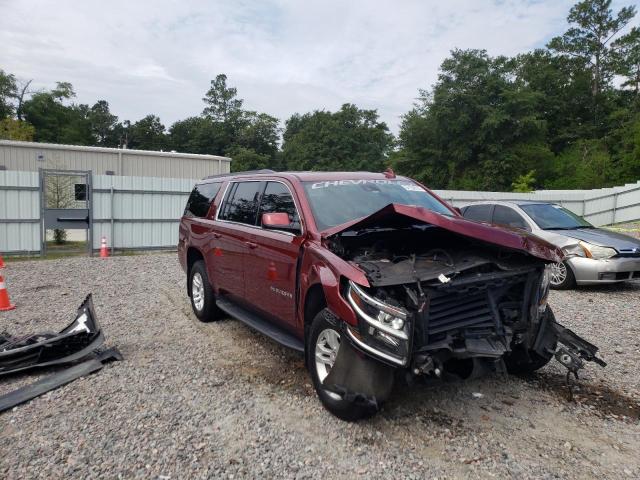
column 370, row 275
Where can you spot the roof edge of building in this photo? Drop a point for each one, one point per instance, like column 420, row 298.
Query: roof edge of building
column 82, row 148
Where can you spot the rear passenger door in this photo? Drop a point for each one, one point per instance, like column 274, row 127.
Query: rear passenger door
column 508, row 217
column 235, row 225
column 479, row 212
column 197, row 225
column 271, row 267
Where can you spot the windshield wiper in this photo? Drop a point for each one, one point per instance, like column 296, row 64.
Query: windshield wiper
column 560, row 228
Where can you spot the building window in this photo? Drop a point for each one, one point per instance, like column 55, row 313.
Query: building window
column 80, row 192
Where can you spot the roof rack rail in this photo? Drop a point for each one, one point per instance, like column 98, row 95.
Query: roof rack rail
column 247, row 172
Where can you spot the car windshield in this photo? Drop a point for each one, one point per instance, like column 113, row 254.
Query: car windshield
column 554, row 217
column 336, row 202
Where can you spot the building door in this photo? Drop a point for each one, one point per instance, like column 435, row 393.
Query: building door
column 66, row 211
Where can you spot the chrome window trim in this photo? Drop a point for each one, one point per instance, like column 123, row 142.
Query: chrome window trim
column 258, row 227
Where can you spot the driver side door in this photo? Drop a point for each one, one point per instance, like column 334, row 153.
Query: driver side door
column 271, row 265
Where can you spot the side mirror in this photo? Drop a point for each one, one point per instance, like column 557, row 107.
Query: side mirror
column 278, row 220
column 457, row 209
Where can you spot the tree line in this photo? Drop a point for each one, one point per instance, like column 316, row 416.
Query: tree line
column 563, row 116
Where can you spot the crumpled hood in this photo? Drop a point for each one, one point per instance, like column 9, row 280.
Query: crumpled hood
column 504, row 237
column 604, row 238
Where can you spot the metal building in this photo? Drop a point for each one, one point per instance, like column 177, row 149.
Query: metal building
column 32, row 156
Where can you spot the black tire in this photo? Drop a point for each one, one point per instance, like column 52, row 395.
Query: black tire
column 209, row 311
column 521, row 361
column 343, row 409
column 569, row 281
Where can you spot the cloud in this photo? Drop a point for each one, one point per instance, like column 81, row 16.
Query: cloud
column 284, row 56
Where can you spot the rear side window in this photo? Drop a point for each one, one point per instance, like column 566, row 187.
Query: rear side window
column 201, row 198
column 508, row 217
column 241, row 203
column 277, row 199
column 479, row 213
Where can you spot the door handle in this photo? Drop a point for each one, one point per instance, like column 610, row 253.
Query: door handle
column 251, row 245
column 217, row 235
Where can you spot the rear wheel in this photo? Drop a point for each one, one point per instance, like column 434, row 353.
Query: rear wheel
column 322, row 349
column 562, row 277
column 203, row 302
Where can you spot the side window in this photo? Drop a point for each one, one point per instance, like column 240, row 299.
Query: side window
column 241, row 204
column 479, row 213
column 508, row 217
column 277, row 199
column 200, row 199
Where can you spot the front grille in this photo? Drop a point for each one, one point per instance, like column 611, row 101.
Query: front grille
column 453, row 311
column 629, row 253
column 468, row 308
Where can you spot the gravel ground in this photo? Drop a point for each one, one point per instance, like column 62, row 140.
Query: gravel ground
column 196, row 400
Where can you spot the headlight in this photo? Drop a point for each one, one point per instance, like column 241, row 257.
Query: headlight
column 544, row 288
column 588, row 250
column 574, row 251
column 597, row 252
column 383, row 329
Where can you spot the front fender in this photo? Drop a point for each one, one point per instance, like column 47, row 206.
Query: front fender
column 326, row 269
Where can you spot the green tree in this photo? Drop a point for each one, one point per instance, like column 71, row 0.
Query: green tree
column 222, row 102
column 591, row 36
column 258, row 132
column 102, row 123
column 198, row 135
column 248, row 159
column 147, row 133
column 56, row 119
column 349, row 139
column 13, row 129
column 8, row 91
column 627, row 59
column 524, row 183
column 477, row 128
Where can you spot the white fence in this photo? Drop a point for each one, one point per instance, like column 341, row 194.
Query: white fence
column 131, row 212
column 143, row 212
column 19, row 212
column 604, row 206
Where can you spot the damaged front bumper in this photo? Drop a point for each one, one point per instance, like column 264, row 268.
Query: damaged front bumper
column 75, row 342
column 472, row 318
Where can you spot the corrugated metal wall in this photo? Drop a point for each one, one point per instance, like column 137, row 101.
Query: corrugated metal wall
column 145, row 211
column 19, row 212
column 31, row 156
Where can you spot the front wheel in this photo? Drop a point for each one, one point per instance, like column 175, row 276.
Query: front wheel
column 562, row 277
column 322, row 349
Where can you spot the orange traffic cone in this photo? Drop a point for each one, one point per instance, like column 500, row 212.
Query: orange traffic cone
column 104, row 253
column 5, row 303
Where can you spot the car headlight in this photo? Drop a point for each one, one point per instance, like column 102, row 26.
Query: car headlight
column 545, row 283
column 597, row 252
column 383, row 329
column 574, row 250
column 588, row 250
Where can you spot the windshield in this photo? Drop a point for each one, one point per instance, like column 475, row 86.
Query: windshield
column 554, row 217
column 339, row 201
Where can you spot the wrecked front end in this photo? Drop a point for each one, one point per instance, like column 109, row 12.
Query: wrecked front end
column 439, row 301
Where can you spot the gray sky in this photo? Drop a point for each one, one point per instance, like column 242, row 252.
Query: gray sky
column 284, row 56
